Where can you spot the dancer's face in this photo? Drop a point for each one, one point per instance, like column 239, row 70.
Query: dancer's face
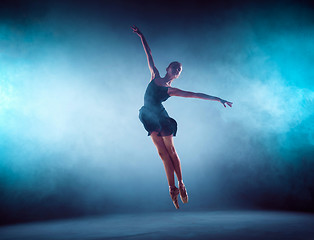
column 174, row 70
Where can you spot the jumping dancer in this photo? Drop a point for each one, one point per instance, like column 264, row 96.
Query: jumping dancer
column 160, row 127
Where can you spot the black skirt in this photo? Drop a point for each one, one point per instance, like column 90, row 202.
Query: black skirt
column 157, row 121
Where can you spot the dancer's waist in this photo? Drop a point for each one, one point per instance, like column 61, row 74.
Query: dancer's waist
column 154, row 108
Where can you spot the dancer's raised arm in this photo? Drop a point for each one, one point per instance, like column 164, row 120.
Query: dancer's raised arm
column 180, row 93
column 151, row 64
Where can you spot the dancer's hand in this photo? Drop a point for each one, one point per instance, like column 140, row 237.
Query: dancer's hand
column 136, row 30
column 224, row 102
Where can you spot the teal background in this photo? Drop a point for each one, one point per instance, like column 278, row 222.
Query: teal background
column 72, row 79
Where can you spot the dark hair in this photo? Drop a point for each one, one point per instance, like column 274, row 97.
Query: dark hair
column 174, row 64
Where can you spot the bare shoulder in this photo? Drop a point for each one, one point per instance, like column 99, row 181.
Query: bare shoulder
column 157, row 79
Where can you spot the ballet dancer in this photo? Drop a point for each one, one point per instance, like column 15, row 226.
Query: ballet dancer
column 160, row 127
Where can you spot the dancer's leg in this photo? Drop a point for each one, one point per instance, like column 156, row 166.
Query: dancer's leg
column 164, row 155
column 168, row 142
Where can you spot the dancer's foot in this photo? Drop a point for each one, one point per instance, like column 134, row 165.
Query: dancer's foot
column 183, row 193
column 174, row 192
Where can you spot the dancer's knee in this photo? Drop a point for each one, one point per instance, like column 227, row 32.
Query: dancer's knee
column 172, row 150
column 163, row 154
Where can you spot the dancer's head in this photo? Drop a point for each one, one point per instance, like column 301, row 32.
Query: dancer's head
column 174, row 69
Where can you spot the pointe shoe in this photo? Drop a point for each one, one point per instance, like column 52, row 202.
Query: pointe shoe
column 174, row 192
column 183, row 194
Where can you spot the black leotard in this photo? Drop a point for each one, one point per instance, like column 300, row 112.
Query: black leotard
column 153, row 115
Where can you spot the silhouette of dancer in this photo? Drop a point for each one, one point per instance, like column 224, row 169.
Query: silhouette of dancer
column 157, row 122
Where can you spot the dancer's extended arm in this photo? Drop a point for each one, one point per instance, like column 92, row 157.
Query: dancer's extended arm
column 180, row 93
column 151, row 64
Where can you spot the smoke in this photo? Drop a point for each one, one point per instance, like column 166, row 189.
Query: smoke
column 72, row 84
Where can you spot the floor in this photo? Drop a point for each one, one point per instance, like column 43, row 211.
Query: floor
column 217, row 225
